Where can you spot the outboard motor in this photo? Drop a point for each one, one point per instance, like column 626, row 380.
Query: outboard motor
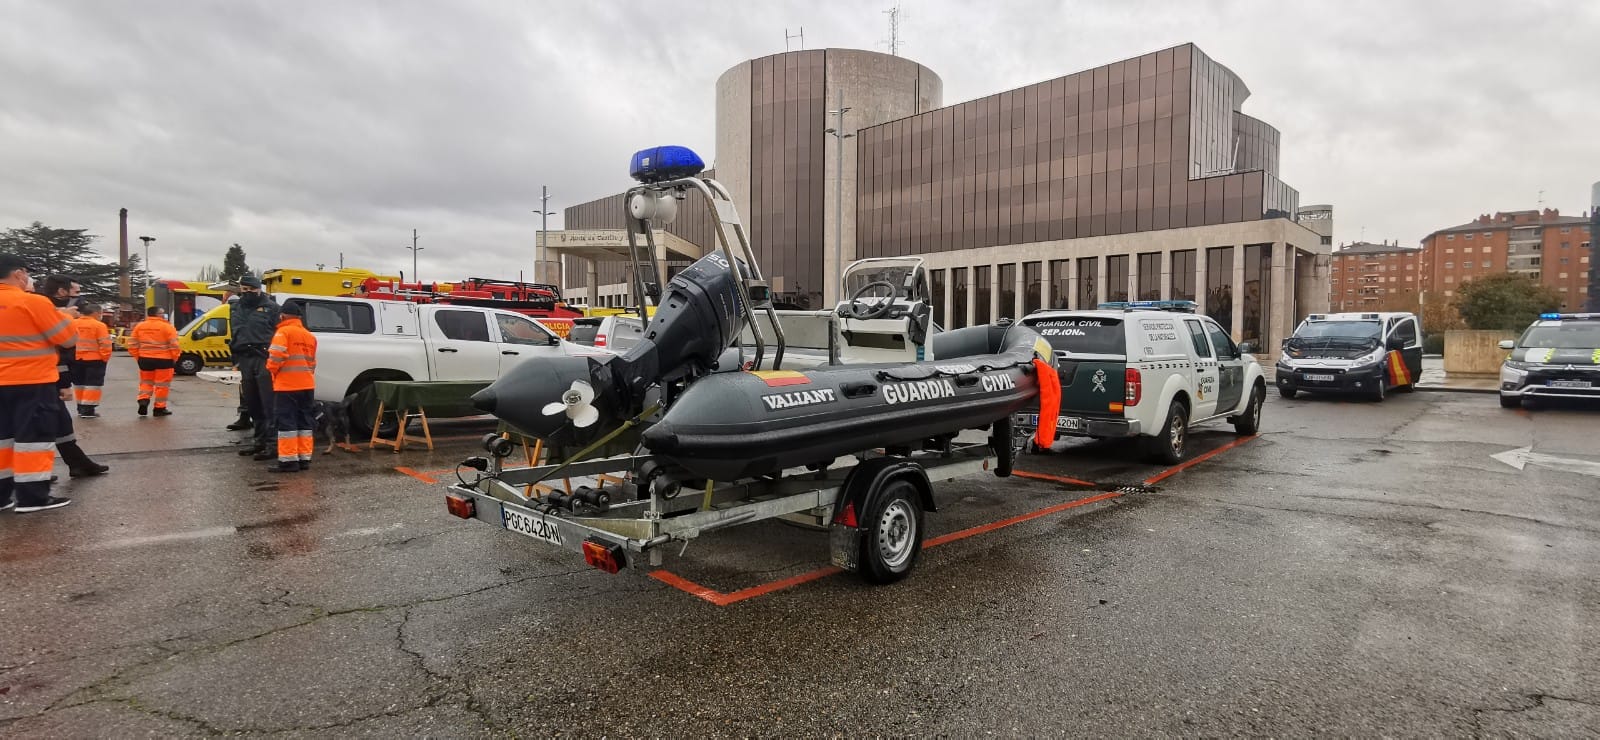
column 700, row 316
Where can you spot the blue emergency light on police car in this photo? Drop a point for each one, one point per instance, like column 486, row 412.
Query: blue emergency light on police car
column 662, row 163
column 1179, row 306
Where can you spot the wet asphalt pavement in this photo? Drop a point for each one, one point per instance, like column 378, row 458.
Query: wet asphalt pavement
column 1357, row 569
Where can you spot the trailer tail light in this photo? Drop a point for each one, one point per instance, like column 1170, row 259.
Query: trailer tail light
column 847, row 515
column 603, row 555
column 459, row 505
column 599, row 340
column 1134, row 386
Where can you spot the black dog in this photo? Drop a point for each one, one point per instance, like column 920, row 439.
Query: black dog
column 333, row 422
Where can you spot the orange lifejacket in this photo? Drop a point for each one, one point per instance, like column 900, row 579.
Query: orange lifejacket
column 154, row 339
column 292, row 358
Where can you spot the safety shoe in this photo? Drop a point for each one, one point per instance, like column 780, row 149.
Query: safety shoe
column 88, row 471
column 144, row 406
column 240, row 425
column 88, row 413
column 305, row 464
column 162, row 411
column 50, row 502
column 289, row 468
column 248, row 451
column 265, row 455
column 8, row 505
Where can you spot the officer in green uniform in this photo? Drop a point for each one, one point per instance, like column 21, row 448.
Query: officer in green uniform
column 255, row 319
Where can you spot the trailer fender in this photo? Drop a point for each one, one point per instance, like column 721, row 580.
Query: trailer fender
column 859, row 494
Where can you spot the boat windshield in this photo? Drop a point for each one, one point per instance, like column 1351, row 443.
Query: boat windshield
column 894, row 272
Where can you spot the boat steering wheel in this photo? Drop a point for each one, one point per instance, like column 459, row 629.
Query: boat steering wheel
column 859, row 310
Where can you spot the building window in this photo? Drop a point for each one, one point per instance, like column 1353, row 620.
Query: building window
column 936, row 301
column 1449, row 265
column 1486, row 264
column 1183, row 270
column 958, row 297
column 1060, row 286
column 1008, row 290
column 1449, row 293
column 1150, row 276
column 1488, row 234
column 1449, row 237
column 1327, row 241
column 1411, row 278
column 1469, row 237
column 1335, row 269
column 1566, row 229
column 1257, row 291
column 1219, row 286
column 1031, row 287
column 1449, row 278
column 1563, row 276
column 1088, row 285
column 982, row 289
column 1117, row 277
column 1566, row 245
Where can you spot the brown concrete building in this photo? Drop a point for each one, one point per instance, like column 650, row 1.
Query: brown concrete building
column 1136, row 179
column 1554, row 248
column 1375, row 277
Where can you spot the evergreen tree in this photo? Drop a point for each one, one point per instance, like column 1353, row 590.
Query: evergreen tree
column 69, row 252
column 234, row 265
column 1505, row 301
column 209, row 274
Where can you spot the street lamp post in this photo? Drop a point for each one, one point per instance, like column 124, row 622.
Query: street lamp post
column 544, row 227
column 414, row 249
column 147, row 240
column 837, row 132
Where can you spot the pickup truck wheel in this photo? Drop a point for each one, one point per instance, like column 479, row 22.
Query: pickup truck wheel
column 892, row 541
column 1382, row 391
column 1168, row 446
column 361, row 424
column 189, row 364
column 1249, row 422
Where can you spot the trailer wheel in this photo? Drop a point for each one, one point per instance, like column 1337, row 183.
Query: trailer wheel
column 893, row 540
column 1004, row 445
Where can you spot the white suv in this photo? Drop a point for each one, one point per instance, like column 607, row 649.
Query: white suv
column 1148, row 370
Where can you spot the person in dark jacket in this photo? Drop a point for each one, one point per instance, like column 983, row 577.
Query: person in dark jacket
column 63, row 291
column 255, row 320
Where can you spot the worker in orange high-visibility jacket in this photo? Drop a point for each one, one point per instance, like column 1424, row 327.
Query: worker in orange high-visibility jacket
column 292, row 361
column 32, row 332
column 94, row 352
column 154, row 343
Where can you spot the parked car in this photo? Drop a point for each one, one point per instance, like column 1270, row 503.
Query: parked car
column 1558, row 356
column 1148, row 371
column 616, row 333
column 361, row 341
column 1364, row 353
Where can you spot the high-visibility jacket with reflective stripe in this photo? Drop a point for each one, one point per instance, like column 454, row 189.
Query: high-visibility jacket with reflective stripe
column 31, row 332
column 292, row 358
column 153, row 339
column 94, row 339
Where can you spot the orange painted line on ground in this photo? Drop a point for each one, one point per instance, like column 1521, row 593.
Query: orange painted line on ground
column 690, row 587
column 1169, row 472
column 990, row 527
column 767, row 588
column 1055, row 478
column 424, row 477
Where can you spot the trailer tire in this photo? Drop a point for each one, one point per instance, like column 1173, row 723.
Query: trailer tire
column 1004, row 446
column 893, row 529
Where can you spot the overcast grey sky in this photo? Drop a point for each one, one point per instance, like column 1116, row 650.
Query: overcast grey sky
column 302, row 129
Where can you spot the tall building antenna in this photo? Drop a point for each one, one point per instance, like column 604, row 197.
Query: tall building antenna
column 788, row 36
column 894, row 29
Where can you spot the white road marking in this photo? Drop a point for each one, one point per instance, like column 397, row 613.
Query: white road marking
column 365, row 531
column 1523, row 456
column 157, row 539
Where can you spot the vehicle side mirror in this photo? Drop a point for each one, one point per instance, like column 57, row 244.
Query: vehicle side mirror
column 1396, row 343
column 555, row 341
column 1246, row 348
column 1508, row 344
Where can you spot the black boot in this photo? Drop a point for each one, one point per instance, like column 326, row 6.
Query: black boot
column 78, row 462
column 144, row 406
column 241, row 424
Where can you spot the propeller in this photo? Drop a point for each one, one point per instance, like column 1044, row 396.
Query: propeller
column 578, row 404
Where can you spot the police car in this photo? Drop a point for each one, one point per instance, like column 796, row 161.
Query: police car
column 1147, row 370
column 1556, row 357
column 1363, row 353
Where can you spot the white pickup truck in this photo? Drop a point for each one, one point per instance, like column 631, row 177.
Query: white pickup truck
column 361, row 341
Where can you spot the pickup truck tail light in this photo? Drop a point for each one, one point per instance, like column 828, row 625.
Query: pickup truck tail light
column 599, row 340
column 1133, row 387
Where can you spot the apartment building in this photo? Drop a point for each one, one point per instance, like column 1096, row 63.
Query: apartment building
column 1375, row 277
column 1543, row 244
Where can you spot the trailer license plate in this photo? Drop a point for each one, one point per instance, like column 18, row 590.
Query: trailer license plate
column 532, row 525
column 1319, row 378
column 1571, row 384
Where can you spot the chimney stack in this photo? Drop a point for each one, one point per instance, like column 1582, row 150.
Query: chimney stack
column 124, row 291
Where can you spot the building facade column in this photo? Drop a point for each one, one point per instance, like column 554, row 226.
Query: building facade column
column 1282, row 304
column 1200, row 298
column 594, row 282
column 1237, row 290
column 945, row 291
column 1047, row 287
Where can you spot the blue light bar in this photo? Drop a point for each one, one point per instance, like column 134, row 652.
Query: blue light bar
column 1549, row 316
column 1185, row 306
column 662, row 163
